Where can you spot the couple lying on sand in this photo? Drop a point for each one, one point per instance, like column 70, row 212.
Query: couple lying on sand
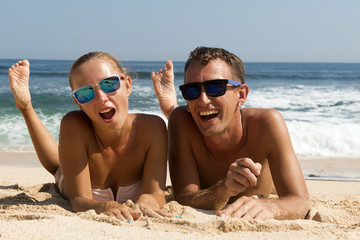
column 220, row 154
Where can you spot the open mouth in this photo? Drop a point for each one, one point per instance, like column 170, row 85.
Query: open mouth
column 210, row 114
column 107, row 113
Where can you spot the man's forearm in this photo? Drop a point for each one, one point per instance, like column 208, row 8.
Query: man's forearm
column 290, row 207
column 213, row 198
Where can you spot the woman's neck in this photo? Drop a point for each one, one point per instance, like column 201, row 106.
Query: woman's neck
column 110, row 137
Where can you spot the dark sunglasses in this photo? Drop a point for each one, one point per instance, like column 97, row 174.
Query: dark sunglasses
column 213, row 88
column 108, row 85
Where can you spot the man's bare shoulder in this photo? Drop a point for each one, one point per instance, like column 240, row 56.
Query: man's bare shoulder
column 266, row 123
column 261, row 115
column 180, row 114
column 179, row 111
column 180, row 120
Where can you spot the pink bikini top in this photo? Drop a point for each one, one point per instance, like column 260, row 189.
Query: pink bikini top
column 131, row 192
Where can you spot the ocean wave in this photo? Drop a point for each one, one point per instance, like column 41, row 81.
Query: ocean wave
column 300, row 76
column 14, row 133
column 325, row 139
column 35, row 74
column 320, row 102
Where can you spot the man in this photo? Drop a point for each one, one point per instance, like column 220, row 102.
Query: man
column 222, row 155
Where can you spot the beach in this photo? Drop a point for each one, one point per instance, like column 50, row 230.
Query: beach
column 32, row 208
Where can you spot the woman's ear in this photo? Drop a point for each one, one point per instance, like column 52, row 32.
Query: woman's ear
column 243, row 94
column 128, row 83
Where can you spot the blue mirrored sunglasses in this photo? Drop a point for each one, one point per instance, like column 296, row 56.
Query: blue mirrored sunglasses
column 213, row 88
column 107, row 85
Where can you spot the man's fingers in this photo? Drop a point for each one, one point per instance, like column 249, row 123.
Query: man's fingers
column 243, row 176
column 262, row 215
column 248, row 211
column 227, row 212
column 259, row 166
column 246, row 208
column 236, row 182
column 248, row 163
column 247, row 168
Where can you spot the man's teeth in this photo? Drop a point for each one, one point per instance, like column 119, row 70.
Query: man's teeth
column 106, row 110
column 207, row 113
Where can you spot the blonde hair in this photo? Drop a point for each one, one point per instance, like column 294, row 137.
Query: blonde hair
column 94, row 55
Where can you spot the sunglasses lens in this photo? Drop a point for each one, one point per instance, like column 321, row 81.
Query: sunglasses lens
column 110, row 85
column 215, row 89
column 190, row 92
column 85, row 94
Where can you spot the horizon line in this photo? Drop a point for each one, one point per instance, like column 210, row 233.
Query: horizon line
column 47, row 59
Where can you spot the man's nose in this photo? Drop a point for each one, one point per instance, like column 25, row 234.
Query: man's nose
column 204, row 98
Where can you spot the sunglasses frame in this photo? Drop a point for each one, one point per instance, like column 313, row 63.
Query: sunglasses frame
column 208, row 82
column 121, row 77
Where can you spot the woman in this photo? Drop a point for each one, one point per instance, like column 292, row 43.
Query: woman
column 107, row 155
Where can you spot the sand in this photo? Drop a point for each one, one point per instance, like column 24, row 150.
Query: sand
column 32, row 208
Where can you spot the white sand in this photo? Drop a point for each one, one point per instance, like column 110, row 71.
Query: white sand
column 32, row 208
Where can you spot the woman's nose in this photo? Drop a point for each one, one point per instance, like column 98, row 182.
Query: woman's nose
column 101, row 95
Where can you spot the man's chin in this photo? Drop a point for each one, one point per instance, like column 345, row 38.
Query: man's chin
column 209, row 132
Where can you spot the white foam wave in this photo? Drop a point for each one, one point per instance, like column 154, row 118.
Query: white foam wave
column 322, row 121
column 325, row 139
column 14, row 134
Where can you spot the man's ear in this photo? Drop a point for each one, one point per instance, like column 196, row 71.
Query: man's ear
column 128, row 83
column 243, row 94
column 187, row 107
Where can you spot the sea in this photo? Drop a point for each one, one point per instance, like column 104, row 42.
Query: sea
column 319, row 101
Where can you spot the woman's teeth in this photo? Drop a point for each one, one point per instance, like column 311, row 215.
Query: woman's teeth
column 106, row 110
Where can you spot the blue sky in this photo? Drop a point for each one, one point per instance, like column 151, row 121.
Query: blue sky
column 269, row 31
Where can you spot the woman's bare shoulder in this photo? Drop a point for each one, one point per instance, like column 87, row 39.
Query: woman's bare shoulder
column 76, row 120
column 147, row 122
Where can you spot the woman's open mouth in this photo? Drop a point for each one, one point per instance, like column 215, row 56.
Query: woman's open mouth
column 107, row 113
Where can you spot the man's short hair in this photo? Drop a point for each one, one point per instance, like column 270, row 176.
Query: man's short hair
column 204, row 55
